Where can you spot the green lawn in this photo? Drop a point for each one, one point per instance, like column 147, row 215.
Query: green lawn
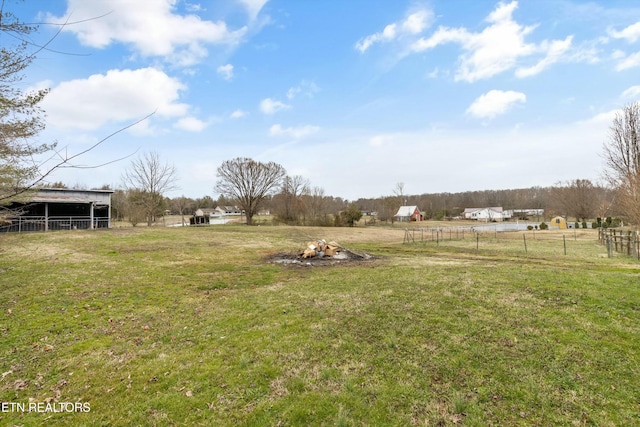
column 191, row 326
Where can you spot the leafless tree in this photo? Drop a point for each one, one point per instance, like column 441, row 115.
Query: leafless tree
column 316, row 205
column 577, row 198
column 152, row 178
column 289, row 202
column 399, row 192
column 248, row 182
column 182, row 205
column 622, row 160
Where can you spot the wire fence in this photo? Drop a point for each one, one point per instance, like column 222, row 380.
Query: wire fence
column 41, row 223
column 574, row 242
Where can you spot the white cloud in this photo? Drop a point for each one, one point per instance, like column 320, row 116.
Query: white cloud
column 150, row 27
column 225, row 71
column 554, row 52
column 272, row 106
column 387, row 34
column 627, row 62
column 633, row 92
column 630, row 33
column 293, row 132
column 618, row 54
column 117, row 96
column 413, row 24
column 417, row 22
column 441, row 36
column 605, row 119
column 191, row 124
column 308, row 89
column 495, row 103
column 253, row 7
column 238, row 114
column 193, row 7
column 497, row 48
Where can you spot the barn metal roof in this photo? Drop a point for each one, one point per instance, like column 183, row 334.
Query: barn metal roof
column 65, row 195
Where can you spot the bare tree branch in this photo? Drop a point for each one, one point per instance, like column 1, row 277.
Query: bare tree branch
column 622, row 160
column 151, row 179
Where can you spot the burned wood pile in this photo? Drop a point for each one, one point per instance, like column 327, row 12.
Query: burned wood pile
column 321, row 249
column 319, row 252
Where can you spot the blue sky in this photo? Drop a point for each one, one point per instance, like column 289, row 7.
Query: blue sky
column 356, row 96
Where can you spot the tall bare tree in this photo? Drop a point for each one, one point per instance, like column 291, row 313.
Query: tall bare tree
column 289, row 203
column 152, row 178
column 316, row 204
column 578, row 198
column 622, row 160
column 248, row 182
column 182, row 205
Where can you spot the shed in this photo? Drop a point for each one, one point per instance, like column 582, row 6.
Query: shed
column 202, row 216
column 558, row 221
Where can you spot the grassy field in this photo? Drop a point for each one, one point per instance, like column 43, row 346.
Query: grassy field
column 191, row 326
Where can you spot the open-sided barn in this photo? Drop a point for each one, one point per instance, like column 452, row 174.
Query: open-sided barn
column 60, row 209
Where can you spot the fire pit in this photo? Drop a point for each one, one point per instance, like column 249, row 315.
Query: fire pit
column 319, row 252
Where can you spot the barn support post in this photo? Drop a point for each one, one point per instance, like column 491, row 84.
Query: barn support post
column 91, row 216
column 46, row 216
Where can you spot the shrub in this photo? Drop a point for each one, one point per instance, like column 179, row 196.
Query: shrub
column 584, row 224
column 350, row 216
column 576, row 224
column 543, row 226
column 529, row 227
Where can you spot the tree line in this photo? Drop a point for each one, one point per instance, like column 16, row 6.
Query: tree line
column 294, row 202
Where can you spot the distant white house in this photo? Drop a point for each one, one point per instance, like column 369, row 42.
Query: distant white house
column 227, row 210
column 408, row 213
column 495, row 213
column 218, row 215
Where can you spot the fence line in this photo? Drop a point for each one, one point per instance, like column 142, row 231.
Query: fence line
column 511, row 239
column 621, row 241
column 438, row 234
column 40, row 223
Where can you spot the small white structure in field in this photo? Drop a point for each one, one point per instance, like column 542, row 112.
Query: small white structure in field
column 487, row 214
